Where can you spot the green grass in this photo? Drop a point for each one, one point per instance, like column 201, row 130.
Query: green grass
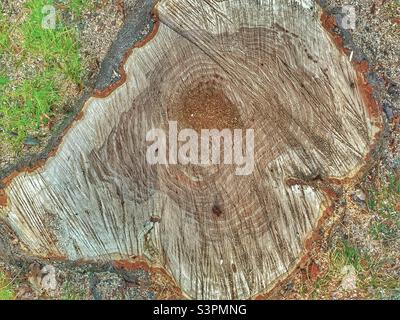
column 4, row 80
column 59, row 47
column 383, row 201
column 5, row 32
column 78, row 6
column 343, row 255
column 27, row 104
column 6, row 289
column 347, row 254
column 374, row 270
column 72, row 292
column 370, row 271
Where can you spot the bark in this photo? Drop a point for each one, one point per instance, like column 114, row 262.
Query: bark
column 263, row 65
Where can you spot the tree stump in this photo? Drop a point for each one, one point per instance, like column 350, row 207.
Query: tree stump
column 264, row 65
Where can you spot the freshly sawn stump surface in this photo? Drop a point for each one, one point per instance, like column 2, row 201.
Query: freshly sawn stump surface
column 269, row 66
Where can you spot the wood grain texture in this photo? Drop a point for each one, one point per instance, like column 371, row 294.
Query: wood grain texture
column 266, row 65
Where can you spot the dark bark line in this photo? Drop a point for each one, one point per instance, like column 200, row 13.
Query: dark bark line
column 139, row 23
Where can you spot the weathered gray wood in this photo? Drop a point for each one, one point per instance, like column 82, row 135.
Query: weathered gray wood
column 271, row 66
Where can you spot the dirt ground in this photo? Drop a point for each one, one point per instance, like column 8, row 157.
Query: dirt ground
column 356, row 256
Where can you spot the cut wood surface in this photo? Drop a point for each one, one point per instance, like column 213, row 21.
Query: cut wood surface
column 263, row 65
